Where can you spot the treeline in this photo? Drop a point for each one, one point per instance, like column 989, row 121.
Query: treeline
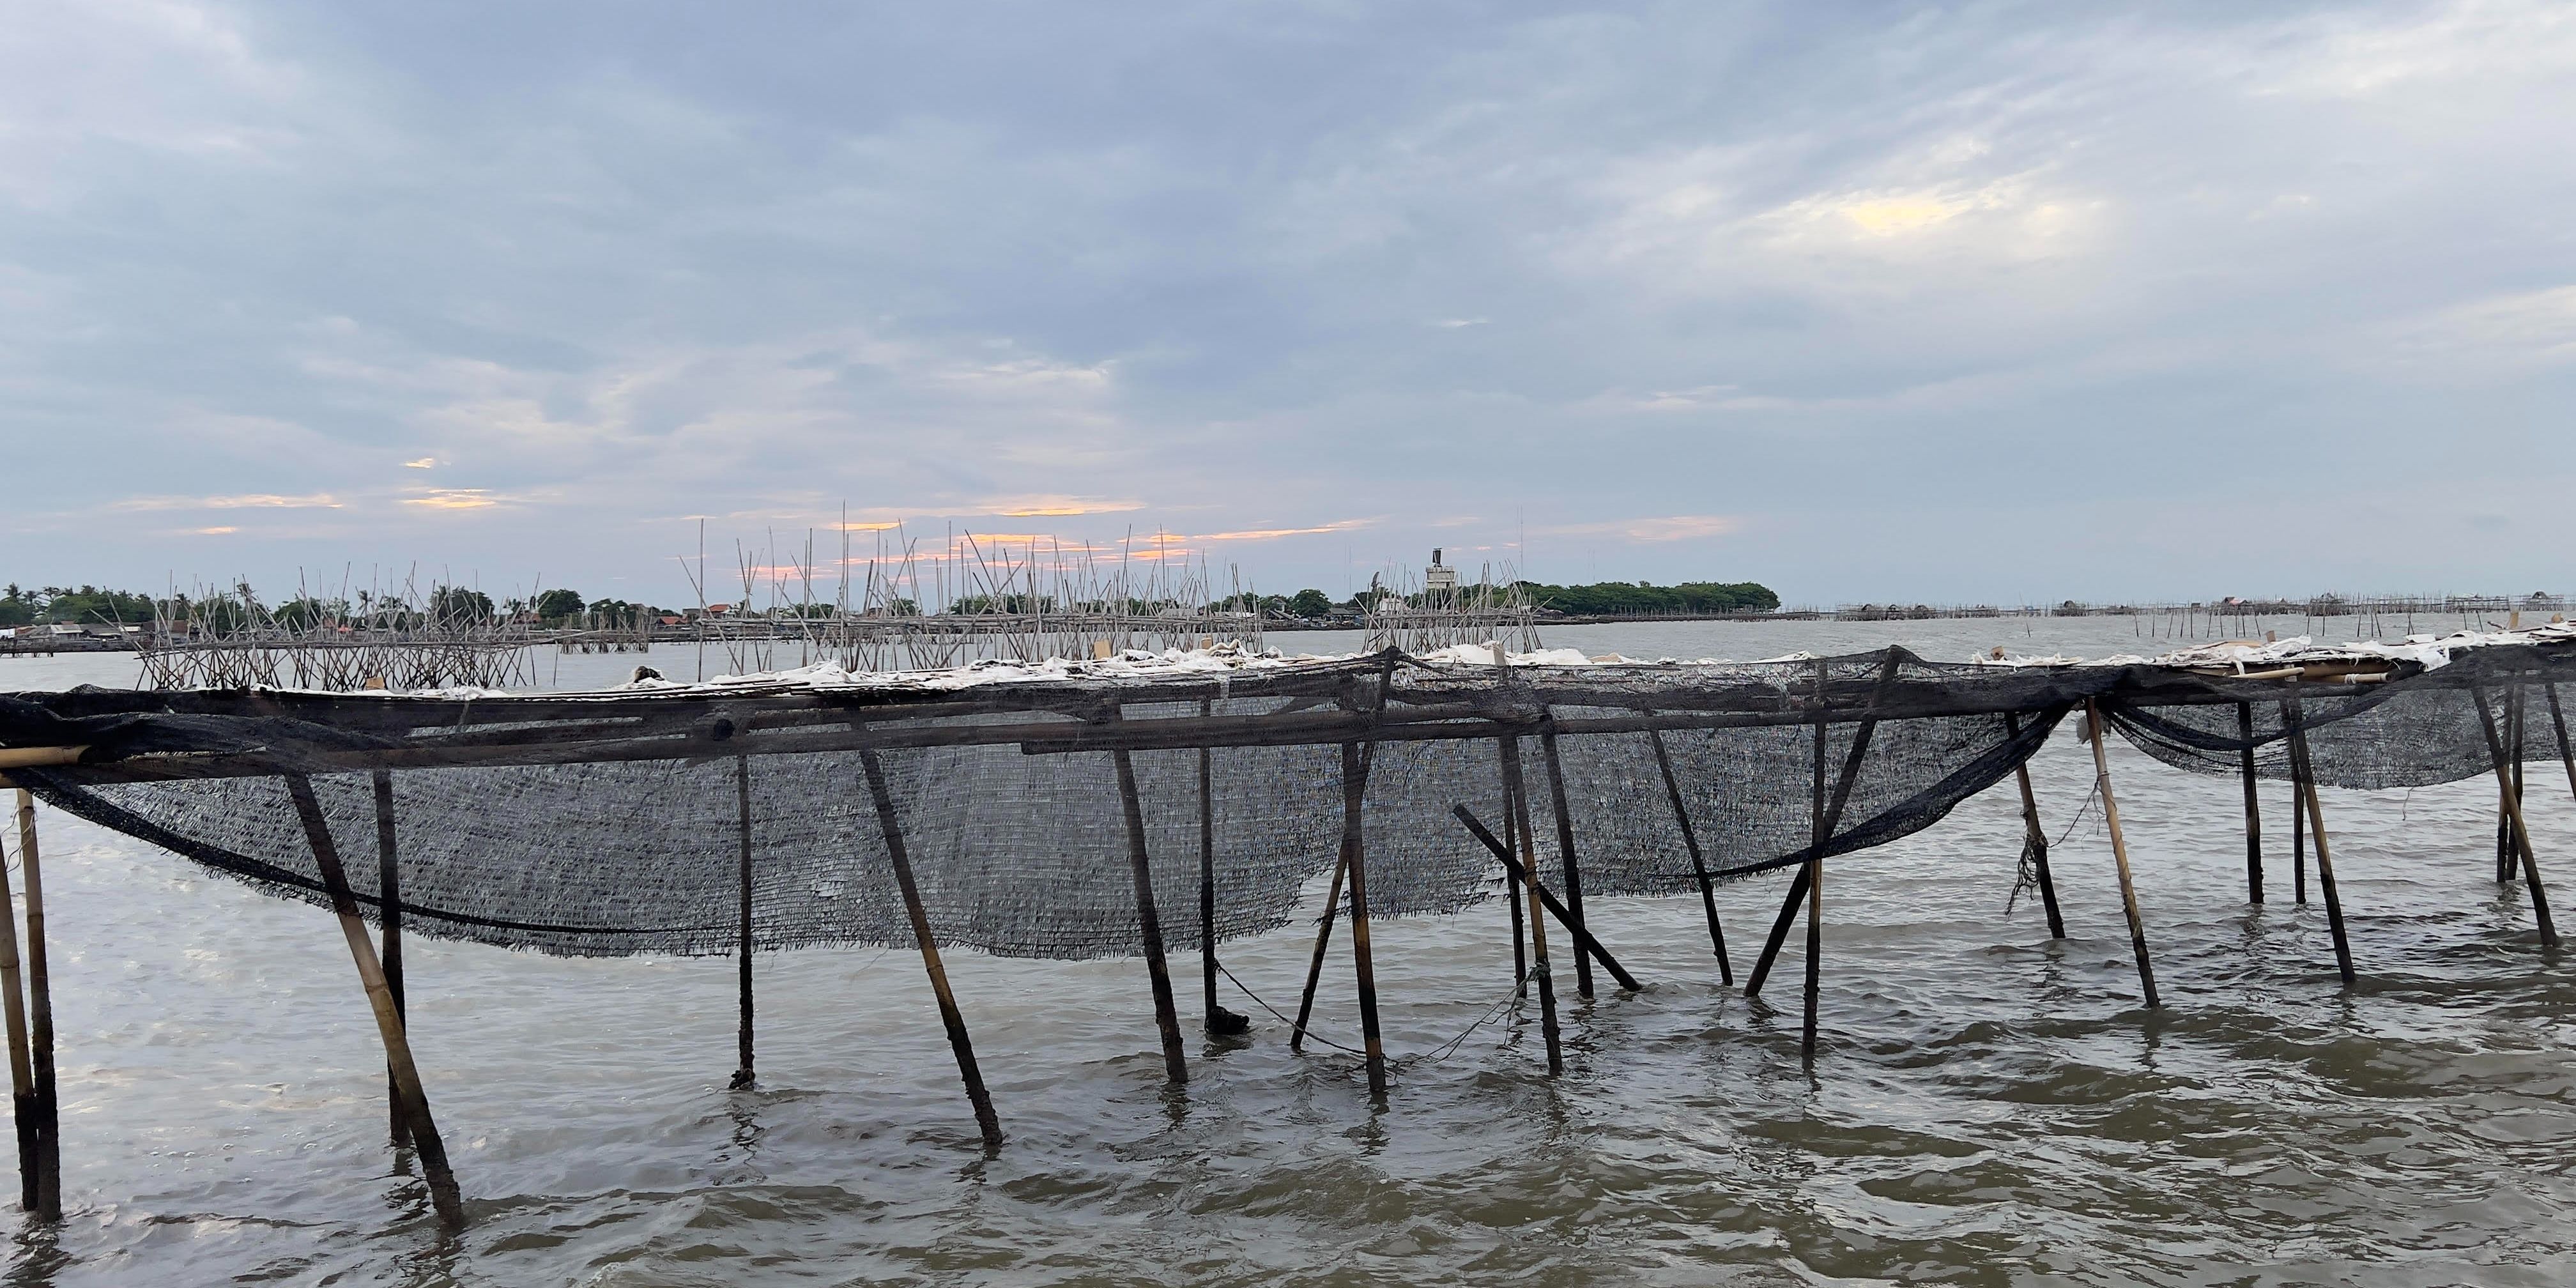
column 81, row 605
column 1625, row 598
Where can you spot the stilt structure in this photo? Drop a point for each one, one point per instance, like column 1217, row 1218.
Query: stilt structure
column 950, row 1017
column 47, row 1160
column 1516, row 790
column 1699, row 863
column 2253, row 808
column 1355, row 857
column 2521, row 832
column 743, row 1075
column 1799, row 887
column 408, row 1093
column 389, row 917
column 13, row 1005
column 1583, row 940
column 2035, row 839
column 2120, row 854
column 2303, row 772
column 1150, row 923
column 1565, row 848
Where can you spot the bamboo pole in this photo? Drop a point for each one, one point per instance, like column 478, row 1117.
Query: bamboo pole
column 1815, row 889
column 1149, row 923
column 1699, row 864
column 2506, row 855
column 1355, row 844
column 48, row 1159
column 1516, row 790
column 1565, row 849
column 2120, row 852
column 1323, row 939
column 425, row 1140
column 389, row 915
column 2521, row 831
column 2253, row 807
column 22, row 1078
column 2558, row 725
column 2035, row 838
column 1798, row 888
column 1512, row 885
column 1220, row 1021
column 743, row 1075
column 2304, row 770
column 1583, row 939
column 950, row 1017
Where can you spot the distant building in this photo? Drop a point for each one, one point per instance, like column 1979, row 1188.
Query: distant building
column 1439, row 578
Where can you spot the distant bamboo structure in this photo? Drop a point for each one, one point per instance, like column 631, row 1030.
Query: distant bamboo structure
column 447, row 638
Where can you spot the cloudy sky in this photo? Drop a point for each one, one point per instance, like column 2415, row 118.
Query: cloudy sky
column 1864, row 302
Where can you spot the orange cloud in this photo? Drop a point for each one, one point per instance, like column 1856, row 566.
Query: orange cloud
column 1051, row 507
column 459, row 498
column 1271, row 534
column 250, row 501
column 1677, row 527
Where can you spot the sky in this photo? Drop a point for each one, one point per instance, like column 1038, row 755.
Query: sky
column 1964, row 303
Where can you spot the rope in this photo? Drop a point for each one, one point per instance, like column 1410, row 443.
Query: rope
column 1259, row 1001
column 1433, row 1056
column 1444, row 1052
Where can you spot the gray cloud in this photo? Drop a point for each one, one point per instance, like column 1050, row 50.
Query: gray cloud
column 1970, row 302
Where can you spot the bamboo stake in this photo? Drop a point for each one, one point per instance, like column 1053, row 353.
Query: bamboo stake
column 1355, row 844
column 48, row 1159
column 1149, row 923
column 1798, row 888
column 743, row 1077
column 950, row 1017
column 2558, row 724
column 22, row 1078
column 2120, row 853
column 1512, row 887
column 1323, row 938
column 2253, row 807
column 2521, row 831
column 408, row 1093
column 2035, row 838
column 1583, row 939
column 1565, row 849
column 1815, row 888
column 2305, row 771
column 1517, row 791
column 2506, row 855
column 1220, row 1021
column 1699, row 865
column 389, row 913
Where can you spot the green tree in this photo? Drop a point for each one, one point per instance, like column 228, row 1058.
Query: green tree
column 1310, row 603
column 459, row 605
column 557, row 605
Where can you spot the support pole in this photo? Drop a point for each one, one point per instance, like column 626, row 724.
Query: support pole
column 1512, row 886
column 2035, row 838
column 1220, row 1021
column 949, row 1016
column 2306, row 772
column 1323, row 939
column 2253, row 807
column 742, row 1074
column 1833, row 819
column 1355, row 845
column 2513, row 814
column 22, row 1077
column 2298, row 823
column 1565, row 848
column 2558, row 725
column 1699, row 864
column 2120, row 852
column 1516, row 790
column 1583, row 939
column 408, row 1093
column 47, row 1162
column 1149, row 923
column 389, row 915
column 1815, row 886
column 2506, row 856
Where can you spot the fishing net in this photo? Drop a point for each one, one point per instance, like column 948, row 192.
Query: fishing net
column 615, row 823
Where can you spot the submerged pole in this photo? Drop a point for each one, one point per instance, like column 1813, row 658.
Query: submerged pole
column 1798, row 888
column 2306, row 772
column 1583, row 939
column 2521, row 831
column 389, row 914
column 2253, row 806
column 2035, row 837
column 2120, row 852
column 2558, row 725
column 1207, row 881
column 1355, row 845
column 408, row 1092
column 1516, row 790
column 954, row 1020
column 22, row 1077
column 2506, row 855
column 1815, row 888
column 742, row 1074
column 1149, row 923
column 47, row 1162
column 1565, row 848
column 1323, row 940
column 1699, row 864
column 1512, row 887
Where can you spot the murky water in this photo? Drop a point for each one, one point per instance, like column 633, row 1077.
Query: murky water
column 1988, row 1107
